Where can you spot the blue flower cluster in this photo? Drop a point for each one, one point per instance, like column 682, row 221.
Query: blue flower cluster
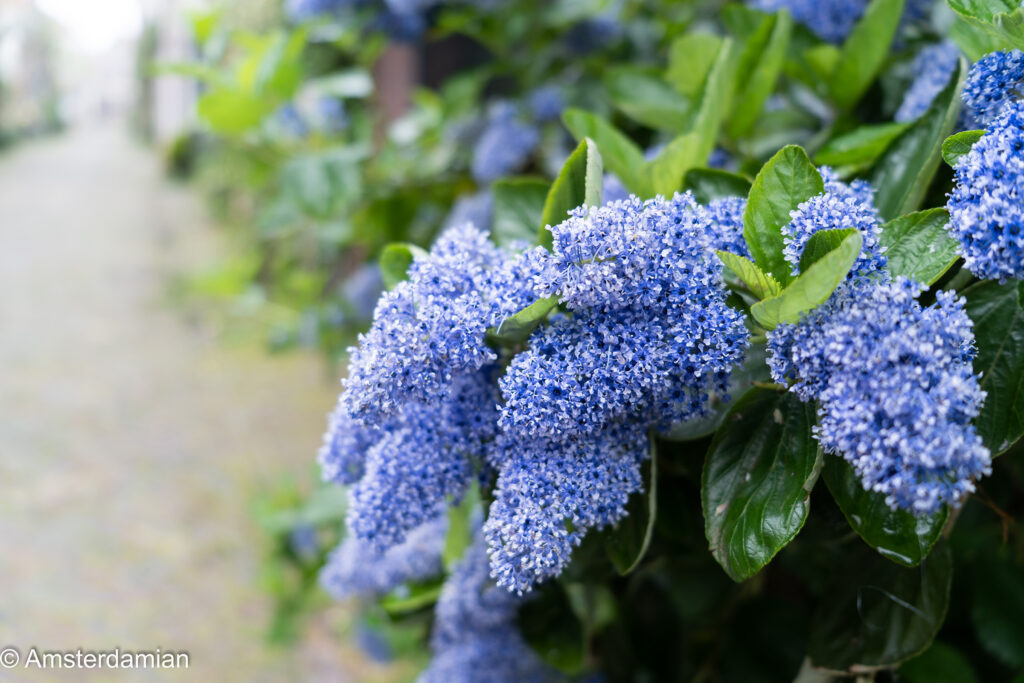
column 841, row 206
column 505, row 145
column 995, row 80
column 431, row 327
column 986, row 207
column 593, row 34
column 475, row 637
column 932, row 69
column 304, row 10
column 356, row 568
column 725, row 231
column 832, row 20
column 895, row 389
column 476, row 209
column 546, row 103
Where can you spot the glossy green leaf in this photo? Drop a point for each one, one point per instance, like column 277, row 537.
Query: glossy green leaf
column 666, row 171
column 758, row 475
column 999, row 336
column 876, row 614
column 761, row 63
column 997, row 609
column 619, row 154
column 918, row 246
column 417, row 598
column 627, row 542
column 232, row 112
column 395, row 260
column 689, row 60
column 860, row 146
column 811, row 288
column 902, row 174
column 516, row 328
column 647, row 99
column 1003, row 19
column 941, row 663
column 715, row 101
column 709, row 184
column 975, row 40
column 864, row 51
column 955, row 146
column 787, row 180
column 550, row 626
column 518, row 209
column 896, row 534
column 578, row 183
column 822, row 243
column 757, row 281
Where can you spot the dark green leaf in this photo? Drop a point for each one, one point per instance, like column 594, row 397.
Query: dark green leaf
column 395, row 260
column 903, row 173
column 876, row 614
column 578, row 183
column 709, row 184
column 647, row 99
column 689, row 59
column 518, row 209
column 627, row 543
column 896, row 534
column 864, row 51
column 955, row 146
column 820, row 244
column 757, row 480
column 516, row 328
column 787, row 180
column 757, row 281
column 861, row 146
column 997, row 609
column 918, row 246
column 550, row 626
column 715, row 102
column 811, row 288
column 619, row 154
column 941, row 663
column 1004, row 19
column 762, row 63
column 999, row 335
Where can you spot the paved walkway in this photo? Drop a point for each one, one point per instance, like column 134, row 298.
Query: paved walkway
column 131, row 441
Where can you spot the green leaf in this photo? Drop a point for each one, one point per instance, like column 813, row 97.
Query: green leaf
column 647, row 99
column 715, row 101
column 550, row 627
column 460, row 528
column 1003, row 19
column 627, row 542
column 860, row 146
column 918, row 246
column 689, row 60
column 709, row 184
column 619, row 154
column 811, row 288
column 973, row 40
column 903, row 173
column 762, row 63
column 997, row 609
column 787, row 180
column 757, row 480
column 941, row 663
column 820, row 244
column 516, row 328
column 876, row 614
column 955, row 146
column 757, row 281
column 999, row 336
column 395, row 260
column 417, row 598
column 895, row 534
column 666, row 171
column 231, row 112
column 518, row 209
column 579, row 182
column 864, row 52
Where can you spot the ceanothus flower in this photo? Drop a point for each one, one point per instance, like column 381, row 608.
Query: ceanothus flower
column 551, row 492
column 932, row 69
column 431, row 326
column 994, row 81
column 476, row 209
column 476, row 638
column 423, row 458
column 505, row 145
column 342, row 456
column 304, row 10
column 650, row 333
column 841, row 206
column 356, row 568
column 594, row 33
column 725, row 232
column 546, row 103
column 830, row 20
column 895, row 389
column 612, row 189
column 986, row 207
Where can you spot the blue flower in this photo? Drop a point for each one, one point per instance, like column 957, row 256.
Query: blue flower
column 986, row 207
column 504, row 147
column 475, row 637
column 612, row 189
column 356, row 568
column 551, row 492
column 596, row 33
column 546, row 103
column 330, row 114
column 841, row 206
column 475, row 209
column 289, row 121
column 895, row 389
column 995, row 80
column 342, row 456
column 725, row 231
column 304, row 10
column 932, row 69
column 830, row 20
